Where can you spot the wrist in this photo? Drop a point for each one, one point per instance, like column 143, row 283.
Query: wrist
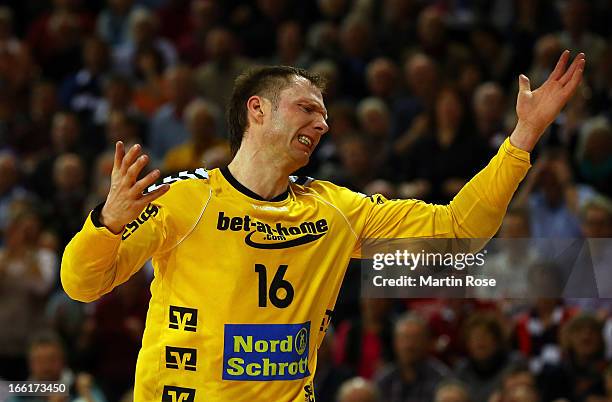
column 525, row 136
column 106, row 220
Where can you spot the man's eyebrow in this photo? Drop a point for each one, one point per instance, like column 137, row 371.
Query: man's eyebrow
column 321, row 109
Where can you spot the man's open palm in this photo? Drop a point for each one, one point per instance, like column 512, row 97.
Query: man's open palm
column 537, row 109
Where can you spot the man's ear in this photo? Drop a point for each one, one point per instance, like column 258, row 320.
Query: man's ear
column 255, row 109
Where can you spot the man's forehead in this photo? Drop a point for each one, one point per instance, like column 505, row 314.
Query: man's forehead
column 302, row 89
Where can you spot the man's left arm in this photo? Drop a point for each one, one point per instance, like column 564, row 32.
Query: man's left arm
column 478, row 209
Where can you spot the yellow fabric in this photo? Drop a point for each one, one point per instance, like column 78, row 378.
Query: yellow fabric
column 211, row 245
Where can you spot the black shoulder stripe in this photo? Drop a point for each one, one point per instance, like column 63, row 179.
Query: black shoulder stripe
column 199, row 173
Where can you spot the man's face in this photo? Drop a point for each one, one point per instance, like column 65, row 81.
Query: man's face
column 296, row 124
column 410, row 343
column 46, row 362
column 481, row 344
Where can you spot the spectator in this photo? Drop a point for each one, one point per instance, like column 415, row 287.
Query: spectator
column 167, row 128
column 329, row 71
column 552, row 197
column 382, row 77
column 203, row 16
column 452, row 391
column 537, row 331
column 10, row 187
column 16, row 66
column 596, row 225
column 510, row 264
column 118, row 96
column 358, row 390
column 547, row 50
column 31, row 128
column 356, row 168
column 364, row 344
column 65, row 137
column 113, row 335
column 144, row 34
column 27, row 274
column 113, row 24
column 173, row 13
column 449, row 138
column 375, row 122
column 149, row 92
column 398, row 26
column 82, row 91
column 414, row 376
column 356, row 41
column 47, row 362
column 215, row 78
column 434, row 41
column 575, row 16
column 290, row 49
column 518, row 385
column 579, row 375
column 324, row 40
column 56, row 35
column 329, row 376
column 487, row 356
column 70, row 192
column 489, row 105
column 422, row 78
column 204, row 148
column 594, row 156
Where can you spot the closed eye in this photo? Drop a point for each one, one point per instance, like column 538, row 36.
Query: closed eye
column 307, row 109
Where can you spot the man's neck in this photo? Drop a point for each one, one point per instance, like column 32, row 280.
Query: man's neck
column 260, row 173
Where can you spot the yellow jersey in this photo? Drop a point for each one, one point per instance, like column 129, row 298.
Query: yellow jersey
column 244, row 288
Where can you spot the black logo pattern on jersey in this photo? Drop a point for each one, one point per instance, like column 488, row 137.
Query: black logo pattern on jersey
column 199, row 173
column 329, row 314
column 178, row 394
column 308, row 393
column 376, row 199
column 181, row 358
column 183, row 318
column 149, row 212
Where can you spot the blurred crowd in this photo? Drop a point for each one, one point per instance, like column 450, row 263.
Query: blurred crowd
column 421, row 94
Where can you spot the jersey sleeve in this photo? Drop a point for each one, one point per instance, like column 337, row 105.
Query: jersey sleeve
column 96, row 260
column 475, row 212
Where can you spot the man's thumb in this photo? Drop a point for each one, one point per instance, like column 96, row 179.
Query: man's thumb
column 524, row 83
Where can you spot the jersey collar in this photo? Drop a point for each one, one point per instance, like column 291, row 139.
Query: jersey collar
column 238, row 186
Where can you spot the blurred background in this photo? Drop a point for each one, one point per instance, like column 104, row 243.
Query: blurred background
column 421, row 94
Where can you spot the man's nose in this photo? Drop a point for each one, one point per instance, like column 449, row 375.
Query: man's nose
column 321, row 125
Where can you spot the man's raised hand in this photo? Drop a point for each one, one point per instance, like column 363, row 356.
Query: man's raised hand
column 538, row 108
column 125, row 200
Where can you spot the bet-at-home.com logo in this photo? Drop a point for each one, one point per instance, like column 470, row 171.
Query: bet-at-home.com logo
column 263, row 235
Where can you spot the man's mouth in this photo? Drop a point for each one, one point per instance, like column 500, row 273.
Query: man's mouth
column 305, row 140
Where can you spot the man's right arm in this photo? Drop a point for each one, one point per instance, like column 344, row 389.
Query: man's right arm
column 119, row 236
column 97, row 260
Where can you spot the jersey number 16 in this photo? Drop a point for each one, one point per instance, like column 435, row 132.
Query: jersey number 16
column 278, row 283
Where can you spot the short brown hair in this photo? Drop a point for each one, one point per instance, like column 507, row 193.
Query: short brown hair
column 267, row 81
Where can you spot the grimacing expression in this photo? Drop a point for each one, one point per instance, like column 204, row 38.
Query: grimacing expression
column 297, row 123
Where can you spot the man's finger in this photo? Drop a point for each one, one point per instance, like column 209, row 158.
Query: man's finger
column 119, row 154
column 130, row 157
column 560, row 67
column 145, row 182
column 155, row 194
column 570, row 88
column 136, row 167
column 572, row 69
column 524, row 83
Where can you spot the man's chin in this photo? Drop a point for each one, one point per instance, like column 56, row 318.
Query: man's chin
column 299, row 161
